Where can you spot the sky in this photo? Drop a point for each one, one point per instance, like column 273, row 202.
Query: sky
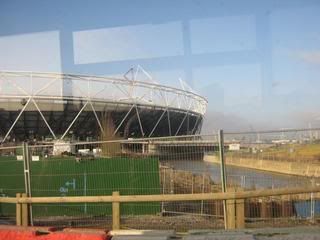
column 256, row 62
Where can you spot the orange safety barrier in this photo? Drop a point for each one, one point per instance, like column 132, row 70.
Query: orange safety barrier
column 42, row 233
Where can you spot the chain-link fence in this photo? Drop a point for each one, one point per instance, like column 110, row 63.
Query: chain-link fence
column 169, row 166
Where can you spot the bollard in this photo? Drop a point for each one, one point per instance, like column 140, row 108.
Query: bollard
column 18, row 210
column 115, row 212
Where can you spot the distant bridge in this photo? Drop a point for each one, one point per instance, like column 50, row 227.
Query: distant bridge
column 182, row 148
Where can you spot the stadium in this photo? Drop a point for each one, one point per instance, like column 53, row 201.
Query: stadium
column 51, row 106
column 63, row 108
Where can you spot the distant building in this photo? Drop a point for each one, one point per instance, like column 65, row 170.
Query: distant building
column 234, row 146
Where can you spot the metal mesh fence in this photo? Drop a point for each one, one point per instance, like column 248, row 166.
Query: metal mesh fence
column 92, row 170
column 11, row 180
column 293, row 156
column 167, row 165
column 132, row 167
column 299, row 146
column 275, row 159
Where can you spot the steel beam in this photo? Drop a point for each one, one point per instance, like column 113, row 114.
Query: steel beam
column 139, row 120
column 44, row 119
column 96, row 116
column 169, row 123
column 75, row 119
column 123, row 120
column 14, row 123
column 186, row 114
column 154, row 128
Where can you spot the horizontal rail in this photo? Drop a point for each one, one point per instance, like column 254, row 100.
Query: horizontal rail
column 10, row 147
column 8, row 200
column 165, row 139
column 131, row 141
column 164, row 197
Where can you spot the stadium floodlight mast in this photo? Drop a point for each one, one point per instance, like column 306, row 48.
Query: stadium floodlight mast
column 129, row 90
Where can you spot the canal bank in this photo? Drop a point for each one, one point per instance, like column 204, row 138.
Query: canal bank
column 283, row 167
column 247, row 178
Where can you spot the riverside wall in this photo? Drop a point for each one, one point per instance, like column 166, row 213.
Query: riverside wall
column 284, row 167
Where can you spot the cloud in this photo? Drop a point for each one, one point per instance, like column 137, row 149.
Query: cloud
column 311, row 57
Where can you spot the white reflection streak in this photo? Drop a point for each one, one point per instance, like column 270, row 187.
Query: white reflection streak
column 129, row 42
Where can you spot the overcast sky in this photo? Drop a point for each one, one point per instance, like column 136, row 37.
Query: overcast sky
column 257, row 62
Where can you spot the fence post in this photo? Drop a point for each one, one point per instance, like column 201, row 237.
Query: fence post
column 202, row 190
column 231, row 214
column 223, row 176
column 163, row 189
column 18, row 210
column 24, row 212
column 27, row 181
column 264, row 212
column 231, row 211
column 312, row 203
column 115, row 211
column 235, row 212
column 240, row 221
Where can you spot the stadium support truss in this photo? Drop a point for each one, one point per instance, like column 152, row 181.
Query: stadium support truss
column 63, row 105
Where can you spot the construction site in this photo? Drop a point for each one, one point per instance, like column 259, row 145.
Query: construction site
column 186, row 119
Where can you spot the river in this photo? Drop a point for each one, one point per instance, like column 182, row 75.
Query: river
column 247, row 178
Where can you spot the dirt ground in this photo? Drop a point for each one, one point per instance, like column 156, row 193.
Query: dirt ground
column 181, row 223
